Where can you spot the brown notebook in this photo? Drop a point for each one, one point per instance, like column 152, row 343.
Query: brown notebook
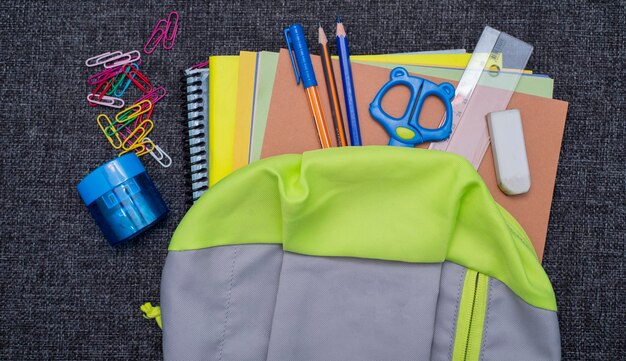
column 290, row 129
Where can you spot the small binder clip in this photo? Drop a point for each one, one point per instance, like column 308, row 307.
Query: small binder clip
column 170, row 36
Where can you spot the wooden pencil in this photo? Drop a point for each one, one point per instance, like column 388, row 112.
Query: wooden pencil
column 331, row 87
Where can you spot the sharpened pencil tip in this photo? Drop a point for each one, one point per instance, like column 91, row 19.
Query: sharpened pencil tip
column 321, row 35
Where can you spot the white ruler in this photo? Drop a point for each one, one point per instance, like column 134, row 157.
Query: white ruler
column 486, row 86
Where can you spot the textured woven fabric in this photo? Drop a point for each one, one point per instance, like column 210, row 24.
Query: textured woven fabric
column 67, row 295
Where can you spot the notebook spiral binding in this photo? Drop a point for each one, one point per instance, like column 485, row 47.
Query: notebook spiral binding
column 194, row 109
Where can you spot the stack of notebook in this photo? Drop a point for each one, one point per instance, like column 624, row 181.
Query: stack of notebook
column 256, row 110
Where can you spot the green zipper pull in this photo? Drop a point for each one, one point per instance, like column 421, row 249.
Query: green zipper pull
column 152, row 312
column 471, row 319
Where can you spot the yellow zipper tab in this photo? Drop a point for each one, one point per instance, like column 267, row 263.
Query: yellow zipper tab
column 471, row 319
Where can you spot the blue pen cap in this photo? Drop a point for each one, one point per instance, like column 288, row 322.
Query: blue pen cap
column 122, row 198
column 296, row 43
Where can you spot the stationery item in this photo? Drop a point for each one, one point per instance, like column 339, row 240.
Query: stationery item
column 509, row 151
column 474, row 100
column 121, row 89
column 140, row 80
column 171, row 30
column 222, row 112
column 115, row 143
column 348, row 84
column 532, row 84
column 544, row 121
column 267, row 63
column 154, row 96
column 331, row 88
column 104, row 75
column 406, row 130
column 122, row 198
column 159, row 154
column 195, row 89
column 103, row 58
column 303, row 69
column 107, row 101
column 126, row 58
column 245, row 102
column 156, row 37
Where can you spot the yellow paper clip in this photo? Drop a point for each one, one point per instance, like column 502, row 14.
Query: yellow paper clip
column 133, row 111
column 140, row 149
column 103, row 128
column 144, row 128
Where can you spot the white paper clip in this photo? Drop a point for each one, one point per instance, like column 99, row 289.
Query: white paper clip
column 126, row 58
column 106, row 100
column 103, row 58
column 160, row 155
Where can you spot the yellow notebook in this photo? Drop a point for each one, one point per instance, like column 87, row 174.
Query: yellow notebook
column 222, row 114
column 245, row 100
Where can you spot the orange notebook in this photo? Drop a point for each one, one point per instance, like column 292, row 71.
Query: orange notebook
column 290, row 129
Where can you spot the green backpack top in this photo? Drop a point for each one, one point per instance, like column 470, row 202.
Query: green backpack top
column 358, row 253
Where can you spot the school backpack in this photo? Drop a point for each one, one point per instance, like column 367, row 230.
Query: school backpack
column 357, row 253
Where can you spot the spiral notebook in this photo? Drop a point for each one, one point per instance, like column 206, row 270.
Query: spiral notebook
column 195, row 88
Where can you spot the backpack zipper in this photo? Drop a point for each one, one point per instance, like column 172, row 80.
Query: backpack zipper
column 471, row 319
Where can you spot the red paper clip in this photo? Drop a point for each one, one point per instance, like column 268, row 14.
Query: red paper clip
column 106, row 85
column 155, row 37
column 146, row 87
column 172, row 21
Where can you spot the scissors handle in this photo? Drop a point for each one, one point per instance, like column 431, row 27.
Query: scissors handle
column 406, row 131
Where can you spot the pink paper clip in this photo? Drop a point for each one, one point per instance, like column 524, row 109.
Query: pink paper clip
column 104, row 75
column 204, row 64
column 154, row 96
column 172, row 21
column 107, row 101
column 103, row 58
column 155, row 38
column 126, row 58
column 146, row 87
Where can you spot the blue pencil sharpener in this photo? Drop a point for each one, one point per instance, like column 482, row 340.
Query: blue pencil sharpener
column 122, row 198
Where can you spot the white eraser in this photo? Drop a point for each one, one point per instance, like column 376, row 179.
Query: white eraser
column 509, row 151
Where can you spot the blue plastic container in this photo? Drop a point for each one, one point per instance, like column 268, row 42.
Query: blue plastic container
column 122, row 198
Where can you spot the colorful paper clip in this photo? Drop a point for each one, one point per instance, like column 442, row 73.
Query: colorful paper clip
column 155, row 37
column 103, row 128
column 103, row 58
column 133, row 111
column 106, row 101
column 154, row 96
column 126, row 58
column 204, row 64
column 105, row 86
column 140, row 149
column 104, row 75
column 137, row 134
column 158, row 154
column 143, row 85
column 172, row 21
column 120, row 90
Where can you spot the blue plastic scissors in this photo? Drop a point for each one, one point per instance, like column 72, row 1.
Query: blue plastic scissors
column 406, row 131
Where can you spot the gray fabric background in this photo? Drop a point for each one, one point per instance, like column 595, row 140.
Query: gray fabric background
column 67, row 295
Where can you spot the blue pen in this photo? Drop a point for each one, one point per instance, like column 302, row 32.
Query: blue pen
column 348, row 84
column 303, row 68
